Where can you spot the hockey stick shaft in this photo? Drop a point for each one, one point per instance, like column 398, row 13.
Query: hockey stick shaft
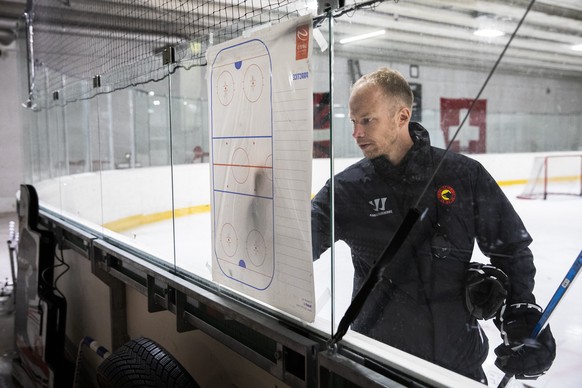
column 568, row 279
column 558, row 295
column 375, row 275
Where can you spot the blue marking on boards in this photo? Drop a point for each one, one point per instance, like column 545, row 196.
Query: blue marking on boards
column 238, row 65
column 242, row 263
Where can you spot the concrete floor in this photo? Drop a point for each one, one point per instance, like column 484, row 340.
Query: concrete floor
column 7, row 351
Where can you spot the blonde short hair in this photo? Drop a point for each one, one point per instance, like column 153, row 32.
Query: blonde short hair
column 392, row 84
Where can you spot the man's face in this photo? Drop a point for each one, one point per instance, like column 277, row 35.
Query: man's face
column 377, row 121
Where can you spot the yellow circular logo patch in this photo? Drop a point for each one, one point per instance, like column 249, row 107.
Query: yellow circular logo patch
column 446, row 195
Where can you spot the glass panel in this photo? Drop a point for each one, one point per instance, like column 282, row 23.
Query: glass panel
column 326, row 288
column 191, row 171
column 79, row 122
column 123, row 135
column 137, row 186
column 33, row 146
column 43, row 140
column 80, row 188
column 56, row 167
column 419, row 302
column 152, row 120
column 57, row 141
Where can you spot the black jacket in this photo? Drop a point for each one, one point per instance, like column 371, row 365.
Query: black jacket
column 418, row 306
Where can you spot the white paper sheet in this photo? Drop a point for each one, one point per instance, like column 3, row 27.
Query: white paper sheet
column 261, row 113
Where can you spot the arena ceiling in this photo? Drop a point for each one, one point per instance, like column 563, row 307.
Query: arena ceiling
column 436, row 32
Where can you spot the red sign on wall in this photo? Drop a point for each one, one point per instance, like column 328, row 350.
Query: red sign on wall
column 472, row 137
column 321, row 125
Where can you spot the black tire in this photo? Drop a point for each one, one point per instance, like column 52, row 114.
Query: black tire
column 143, row 363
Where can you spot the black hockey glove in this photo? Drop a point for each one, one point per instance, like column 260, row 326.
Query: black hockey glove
column 520, row 355
column 486, row 288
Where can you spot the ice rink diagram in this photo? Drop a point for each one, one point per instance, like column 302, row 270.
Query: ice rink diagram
column 261, row 120
column 242, row 149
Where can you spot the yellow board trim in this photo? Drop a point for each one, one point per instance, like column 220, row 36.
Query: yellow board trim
column 512, row 182
column 132, row 222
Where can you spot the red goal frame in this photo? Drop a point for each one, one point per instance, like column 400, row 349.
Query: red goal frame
column 543, row 174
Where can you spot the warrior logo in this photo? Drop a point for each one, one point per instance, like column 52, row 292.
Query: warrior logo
column 446, row 195
column 379, row 206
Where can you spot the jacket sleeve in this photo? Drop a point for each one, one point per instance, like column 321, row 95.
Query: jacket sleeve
column 320, row 222
column 502, row 236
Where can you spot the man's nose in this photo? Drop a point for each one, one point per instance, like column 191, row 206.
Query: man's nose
column 358, row 131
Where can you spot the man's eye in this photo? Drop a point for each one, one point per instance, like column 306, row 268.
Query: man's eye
column 362, row 121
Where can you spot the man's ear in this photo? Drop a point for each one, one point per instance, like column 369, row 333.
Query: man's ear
column 404, row 116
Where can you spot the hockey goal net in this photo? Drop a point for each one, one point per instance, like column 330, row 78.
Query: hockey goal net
column 554, row 175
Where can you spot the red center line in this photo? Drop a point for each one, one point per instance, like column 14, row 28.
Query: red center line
column 240, row 165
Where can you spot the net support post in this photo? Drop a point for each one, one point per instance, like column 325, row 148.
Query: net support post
column 324, row 6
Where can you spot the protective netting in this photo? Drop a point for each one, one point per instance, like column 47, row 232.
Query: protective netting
column 84, row 48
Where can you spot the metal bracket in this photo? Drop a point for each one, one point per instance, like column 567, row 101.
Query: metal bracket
column 153, row 306
column 69, row 236
column 117, row 297
column 182, row 324
column 96, row 81
column 329, row 5
column 169, row 55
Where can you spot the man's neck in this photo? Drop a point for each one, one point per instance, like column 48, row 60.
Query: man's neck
column 400, row 151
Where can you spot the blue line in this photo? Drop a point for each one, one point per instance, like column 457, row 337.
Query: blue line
column 243, row 194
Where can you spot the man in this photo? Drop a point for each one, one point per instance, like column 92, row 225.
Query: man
column 420, row 305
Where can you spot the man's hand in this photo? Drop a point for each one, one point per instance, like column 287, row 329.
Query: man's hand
column 486, row 288
column 520, row 355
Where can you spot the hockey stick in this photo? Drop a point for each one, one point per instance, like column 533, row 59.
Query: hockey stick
column 558, row 295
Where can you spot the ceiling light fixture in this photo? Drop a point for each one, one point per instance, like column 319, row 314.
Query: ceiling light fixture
column 577, row 47
column 362, row 37
column 488, row 33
